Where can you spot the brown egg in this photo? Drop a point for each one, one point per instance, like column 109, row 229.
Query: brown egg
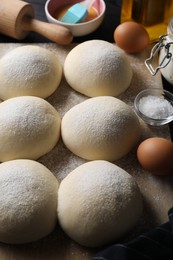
column 131, row 37
column 156, row 155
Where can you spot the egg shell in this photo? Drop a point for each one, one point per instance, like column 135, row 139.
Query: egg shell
column 131, row 37
column 155, row 154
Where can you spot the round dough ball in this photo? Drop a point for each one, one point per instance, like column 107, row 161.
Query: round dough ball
column 98, row 203
column 100, row 128
column 29, row 128
column 28, row 201
column 29, row 71
column 98, row 68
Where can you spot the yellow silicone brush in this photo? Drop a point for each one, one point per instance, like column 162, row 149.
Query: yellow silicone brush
column 77, row 12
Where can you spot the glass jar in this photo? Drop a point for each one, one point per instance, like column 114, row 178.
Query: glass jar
column 154, row 15
column 164, row 48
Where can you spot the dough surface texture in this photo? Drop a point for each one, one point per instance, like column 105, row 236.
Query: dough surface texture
column 29, row 128
column 28, row 201
column 29, row 71
column 98, row 203
column 100, row 128
column 98, row 68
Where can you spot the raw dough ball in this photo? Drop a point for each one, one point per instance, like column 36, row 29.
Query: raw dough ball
column 98, row 68
column 29, row 128
column 100, row 128
column 98, row 203
column 29, row 71
column 28, row 201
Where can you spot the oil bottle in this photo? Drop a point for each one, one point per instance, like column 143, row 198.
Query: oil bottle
column 154, row 15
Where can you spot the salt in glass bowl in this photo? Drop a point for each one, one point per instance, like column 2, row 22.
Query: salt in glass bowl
column 154, row 106
column 78, row 29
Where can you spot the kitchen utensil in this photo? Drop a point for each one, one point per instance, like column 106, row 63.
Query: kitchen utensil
column 77, row 12
column 17, row 20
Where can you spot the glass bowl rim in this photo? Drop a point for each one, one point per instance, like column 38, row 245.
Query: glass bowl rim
column 153, row 92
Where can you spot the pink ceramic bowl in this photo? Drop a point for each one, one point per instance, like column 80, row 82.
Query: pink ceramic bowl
column 78, row 29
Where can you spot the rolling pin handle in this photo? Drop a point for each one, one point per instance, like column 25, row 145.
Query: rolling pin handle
column 53, row 32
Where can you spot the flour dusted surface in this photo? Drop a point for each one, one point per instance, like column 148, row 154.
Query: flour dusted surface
column 157, row 192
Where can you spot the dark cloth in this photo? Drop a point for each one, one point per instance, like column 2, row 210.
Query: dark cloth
column 156, row 244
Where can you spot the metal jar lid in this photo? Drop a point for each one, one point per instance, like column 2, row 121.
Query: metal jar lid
column 165, row 41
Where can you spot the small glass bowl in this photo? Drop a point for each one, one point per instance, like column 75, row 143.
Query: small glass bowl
column 154, row 106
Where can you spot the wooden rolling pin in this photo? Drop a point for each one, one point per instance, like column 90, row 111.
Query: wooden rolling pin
column 17, row 20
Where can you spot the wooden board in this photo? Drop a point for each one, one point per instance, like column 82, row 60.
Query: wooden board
column 157, row 191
